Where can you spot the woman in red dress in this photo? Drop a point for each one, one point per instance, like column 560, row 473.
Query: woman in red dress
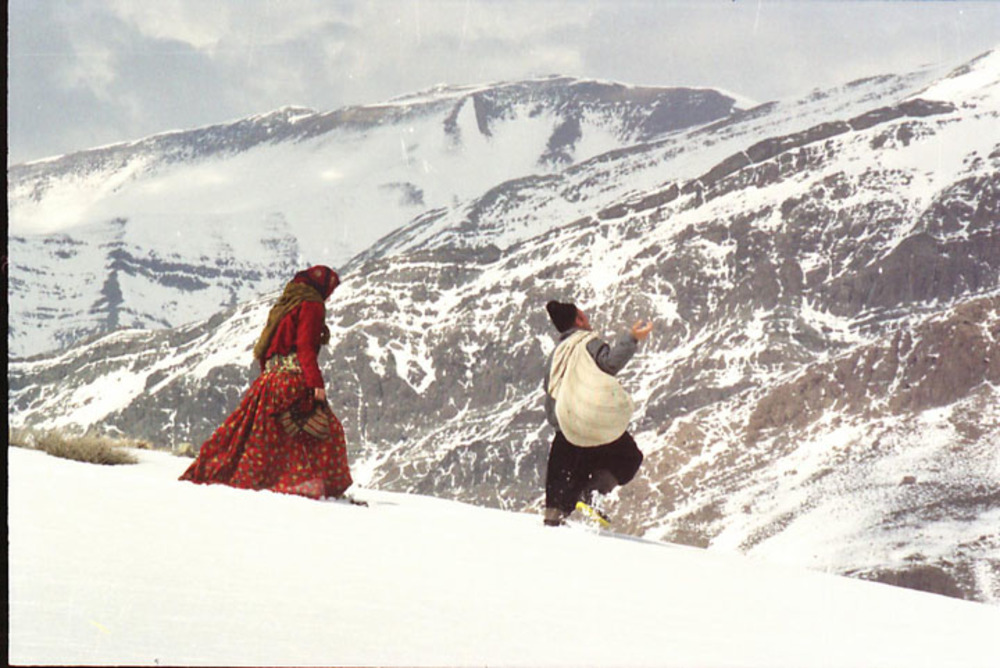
column 284, row 437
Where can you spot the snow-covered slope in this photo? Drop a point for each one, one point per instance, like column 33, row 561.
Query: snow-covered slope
column 172, row 228
column 821, row 386
column 128, row 566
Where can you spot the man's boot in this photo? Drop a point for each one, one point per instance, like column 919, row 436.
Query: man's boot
column 554, row 517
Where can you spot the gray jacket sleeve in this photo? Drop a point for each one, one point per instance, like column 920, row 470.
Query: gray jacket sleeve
column 610, row 359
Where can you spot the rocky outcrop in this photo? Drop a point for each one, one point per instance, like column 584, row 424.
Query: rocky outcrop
column 935, row 364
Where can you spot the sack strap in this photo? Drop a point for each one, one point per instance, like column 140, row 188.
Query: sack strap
column 562, row 357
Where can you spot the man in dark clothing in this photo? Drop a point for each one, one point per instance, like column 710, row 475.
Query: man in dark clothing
column 575, row 473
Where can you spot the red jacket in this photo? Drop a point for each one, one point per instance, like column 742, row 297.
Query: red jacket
column 300, row 331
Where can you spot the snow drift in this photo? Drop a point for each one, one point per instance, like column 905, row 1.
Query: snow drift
column 127, row 565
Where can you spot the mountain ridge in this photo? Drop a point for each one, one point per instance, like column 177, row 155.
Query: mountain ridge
column 225, row 210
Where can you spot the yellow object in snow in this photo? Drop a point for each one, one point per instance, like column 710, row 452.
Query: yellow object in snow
column 593, row 514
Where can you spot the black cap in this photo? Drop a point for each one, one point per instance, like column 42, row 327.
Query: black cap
column 563, row 315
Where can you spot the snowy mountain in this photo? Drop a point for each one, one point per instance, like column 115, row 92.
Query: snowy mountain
column 823, row 385
column 171, row 229
column 128, row 566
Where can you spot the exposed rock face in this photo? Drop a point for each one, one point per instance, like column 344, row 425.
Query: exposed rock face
column 822, row 385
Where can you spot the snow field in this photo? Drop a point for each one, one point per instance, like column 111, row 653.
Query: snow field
column 113, row 565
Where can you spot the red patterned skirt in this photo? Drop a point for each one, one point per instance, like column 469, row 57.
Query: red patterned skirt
column 279, row 439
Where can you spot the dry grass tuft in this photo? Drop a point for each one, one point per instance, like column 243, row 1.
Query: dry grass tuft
column 186, row 449
column 21, row 438
column 90, row 449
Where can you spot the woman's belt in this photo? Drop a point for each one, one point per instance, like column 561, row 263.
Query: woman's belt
column 283, row 364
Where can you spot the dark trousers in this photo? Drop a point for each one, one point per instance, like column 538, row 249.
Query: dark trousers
column 574, row 471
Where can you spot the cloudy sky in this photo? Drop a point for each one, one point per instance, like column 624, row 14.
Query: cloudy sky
column 83, row 73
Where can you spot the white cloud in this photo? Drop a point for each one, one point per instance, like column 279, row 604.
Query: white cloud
column 128, row 68
column 92, row 69
column 200, row 25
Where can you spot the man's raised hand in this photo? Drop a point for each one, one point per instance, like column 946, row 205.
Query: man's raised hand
column 641, row 329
